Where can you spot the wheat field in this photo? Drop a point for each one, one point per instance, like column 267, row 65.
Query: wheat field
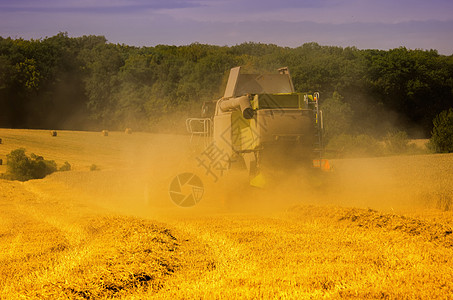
column 373, row 228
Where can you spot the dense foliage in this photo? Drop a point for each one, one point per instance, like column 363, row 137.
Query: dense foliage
column 88, row 83
column 442, row 135
column 23, row 168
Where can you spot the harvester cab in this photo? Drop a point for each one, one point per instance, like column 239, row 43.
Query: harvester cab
column 263, row 122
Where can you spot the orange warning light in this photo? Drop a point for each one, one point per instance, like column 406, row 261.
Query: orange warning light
column 323, row 164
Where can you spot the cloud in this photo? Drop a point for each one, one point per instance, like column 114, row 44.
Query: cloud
column 320, row 11
column 361, row 23
column 98, row 7
column 413, row 35
column 252, row 6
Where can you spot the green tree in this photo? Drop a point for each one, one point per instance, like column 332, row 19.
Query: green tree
column 337, row 116
column 29, row 73
column 415, row 84
column 442, row 135
column 103, row 63
column 57, row 81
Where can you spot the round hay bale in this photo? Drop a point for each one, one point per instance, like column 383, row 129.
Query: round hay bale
column 53, row 133
column 105, row 132
column 0, row 141
column 1, row 161
column 128, row 131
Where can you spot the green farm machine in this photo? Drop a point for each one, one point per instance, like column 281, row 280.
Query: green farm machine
column 263, row 123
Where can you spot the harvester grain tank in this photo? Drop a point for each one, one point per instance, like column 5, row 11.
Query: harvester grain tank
column 263, row 122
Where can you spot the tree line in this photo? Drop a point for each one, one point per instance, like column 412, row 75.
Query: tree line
column 63, row 82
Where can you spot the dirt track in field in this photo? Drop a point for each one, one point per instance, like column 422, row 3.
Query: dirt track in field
column 376, row 227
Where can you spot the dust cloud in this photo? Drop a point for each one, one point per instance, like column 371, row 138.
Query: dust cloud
column 145, row 164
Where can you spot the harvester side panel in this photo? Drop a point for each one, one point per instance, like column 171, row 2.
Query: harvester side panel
column 278, row 101
column 222, row 134
column 292, row 124
column 244, row 134
column 286, row 136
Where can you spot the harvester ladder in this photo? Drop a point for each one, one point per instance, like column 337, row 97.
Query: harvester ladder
column 318, row 126
column 201, row 127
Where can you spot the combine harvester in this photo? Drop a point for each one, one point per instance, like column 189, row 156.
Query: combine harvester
column 263, row 123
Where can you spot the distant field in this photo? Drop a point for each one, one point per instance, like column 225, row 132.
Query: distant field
column 373, row 228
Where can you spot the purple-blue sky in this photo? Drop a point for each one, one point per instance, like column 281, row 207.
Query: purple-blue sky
column 377, row 24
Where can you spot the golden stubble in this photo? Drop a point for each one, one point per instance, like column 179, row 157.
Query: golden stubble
column 374, row 227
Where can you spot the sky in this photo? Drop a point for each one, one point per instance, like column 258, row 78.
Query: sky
column 365, row 24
